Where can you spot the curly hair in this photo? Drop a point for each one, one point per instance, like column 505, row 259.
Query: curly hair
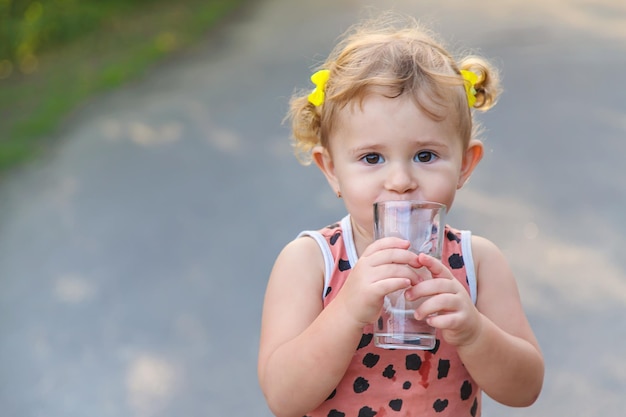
column 398, row 56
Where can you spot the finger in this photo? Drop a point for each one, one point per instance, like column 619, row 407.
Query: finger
column 389, row 285
column 393, row 256
column 445, row 321
column 386, row 243
column 431, row 287
column 394, row 271
column 435, row 266
column 442, row 304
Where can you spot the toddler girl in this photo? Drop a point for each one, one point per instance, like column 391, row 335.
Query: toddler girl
column 390, row 118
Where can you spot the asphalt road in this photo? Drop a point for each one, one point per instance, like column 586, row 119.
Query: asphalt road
column 133, row 259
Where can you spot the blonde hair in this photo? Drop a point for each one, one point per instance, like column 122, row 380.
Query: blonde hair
column 395, row 54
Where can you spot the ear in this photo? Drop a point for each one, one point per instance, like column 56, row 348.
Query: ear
column 471, row 157
column 324, row 162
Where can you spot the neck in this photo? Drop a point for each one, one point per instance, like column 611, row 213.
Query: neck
column 362, row 238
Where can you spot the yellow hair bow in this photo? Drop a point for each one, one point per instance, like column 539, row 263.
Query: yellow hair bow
column 320, row 78
column 470, row 81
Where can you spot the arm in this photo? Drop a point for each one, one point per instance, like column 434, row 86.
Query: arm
column 305, row 349
column 504, row 358
column 493, row 339
column 296, row 338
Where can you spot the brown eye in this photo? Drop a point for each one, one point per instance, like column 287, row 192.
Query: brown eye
column 425, row 156
column 372, row 159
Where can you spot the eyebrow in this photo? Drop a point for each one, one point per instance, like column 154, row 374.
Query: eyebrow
column 377, row 147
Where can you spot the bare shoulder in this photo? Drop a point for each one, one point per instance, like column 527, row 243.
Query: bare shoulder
column 293, row 298
column 488, row 258
column 498, row 295
column 482, row 247
column 298, row 274
column 302, row 256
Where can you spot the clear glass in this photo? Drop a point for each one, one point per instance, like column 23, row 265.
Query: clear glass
column 422, row 223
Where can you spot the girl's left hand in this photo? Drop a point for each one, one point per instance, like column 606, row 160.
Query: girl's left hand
column 448, row 306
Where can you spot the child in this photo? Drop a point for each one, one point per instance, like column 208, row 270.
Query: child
column 390, row 119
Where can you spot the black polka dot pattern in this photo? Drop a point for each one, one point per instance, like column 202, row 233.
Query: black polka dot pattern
column 474, row 407
column 389, row 372
column 366, row 339
column 332, row 395
column 466, row 390
column 453, row 237
column 395, row 405
column 361, row 385
column 440, row 405
column 443, row 368
column 367, row 412
column 328, row 291
column 380, row 323
column 371, row 359
column 343, row 265
column 456, row 261
column 413, row 362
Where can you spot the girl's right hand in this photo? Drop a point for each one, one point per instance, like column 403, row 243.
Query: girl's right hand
column 384, row 267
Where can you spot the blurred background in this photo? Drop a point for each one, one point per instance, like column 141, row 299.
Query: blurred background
column 147, row 185
column 56, row 54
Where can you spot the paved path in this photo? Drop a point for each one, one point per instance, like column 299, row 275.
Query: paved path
column 133, row 260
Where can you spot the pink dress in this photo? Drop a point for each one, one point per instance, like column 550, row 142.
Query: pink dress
column 381, row 382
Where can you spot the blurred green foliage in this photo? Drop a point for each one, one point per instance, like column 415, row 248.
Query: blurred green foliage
column 56, row 54
column 31, row 27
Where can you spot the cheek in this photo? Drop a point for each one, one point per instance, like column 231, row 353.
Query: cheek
column 441, row 189
column 359, row 200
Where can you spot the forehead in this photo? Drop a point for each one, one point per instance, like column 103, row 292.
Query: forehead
column 383, row 119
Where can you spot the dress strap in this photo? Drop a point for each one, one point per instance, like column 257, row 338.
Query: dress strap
column 468, row 260
column 348, row 239
column 329, row 262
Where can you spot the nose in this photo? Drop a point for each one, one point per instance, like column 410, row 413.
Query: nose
column 400, row 179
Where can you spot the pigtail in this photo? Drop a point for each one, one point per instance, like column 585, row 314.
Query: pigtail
column 488, row 84
column 305, row 125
